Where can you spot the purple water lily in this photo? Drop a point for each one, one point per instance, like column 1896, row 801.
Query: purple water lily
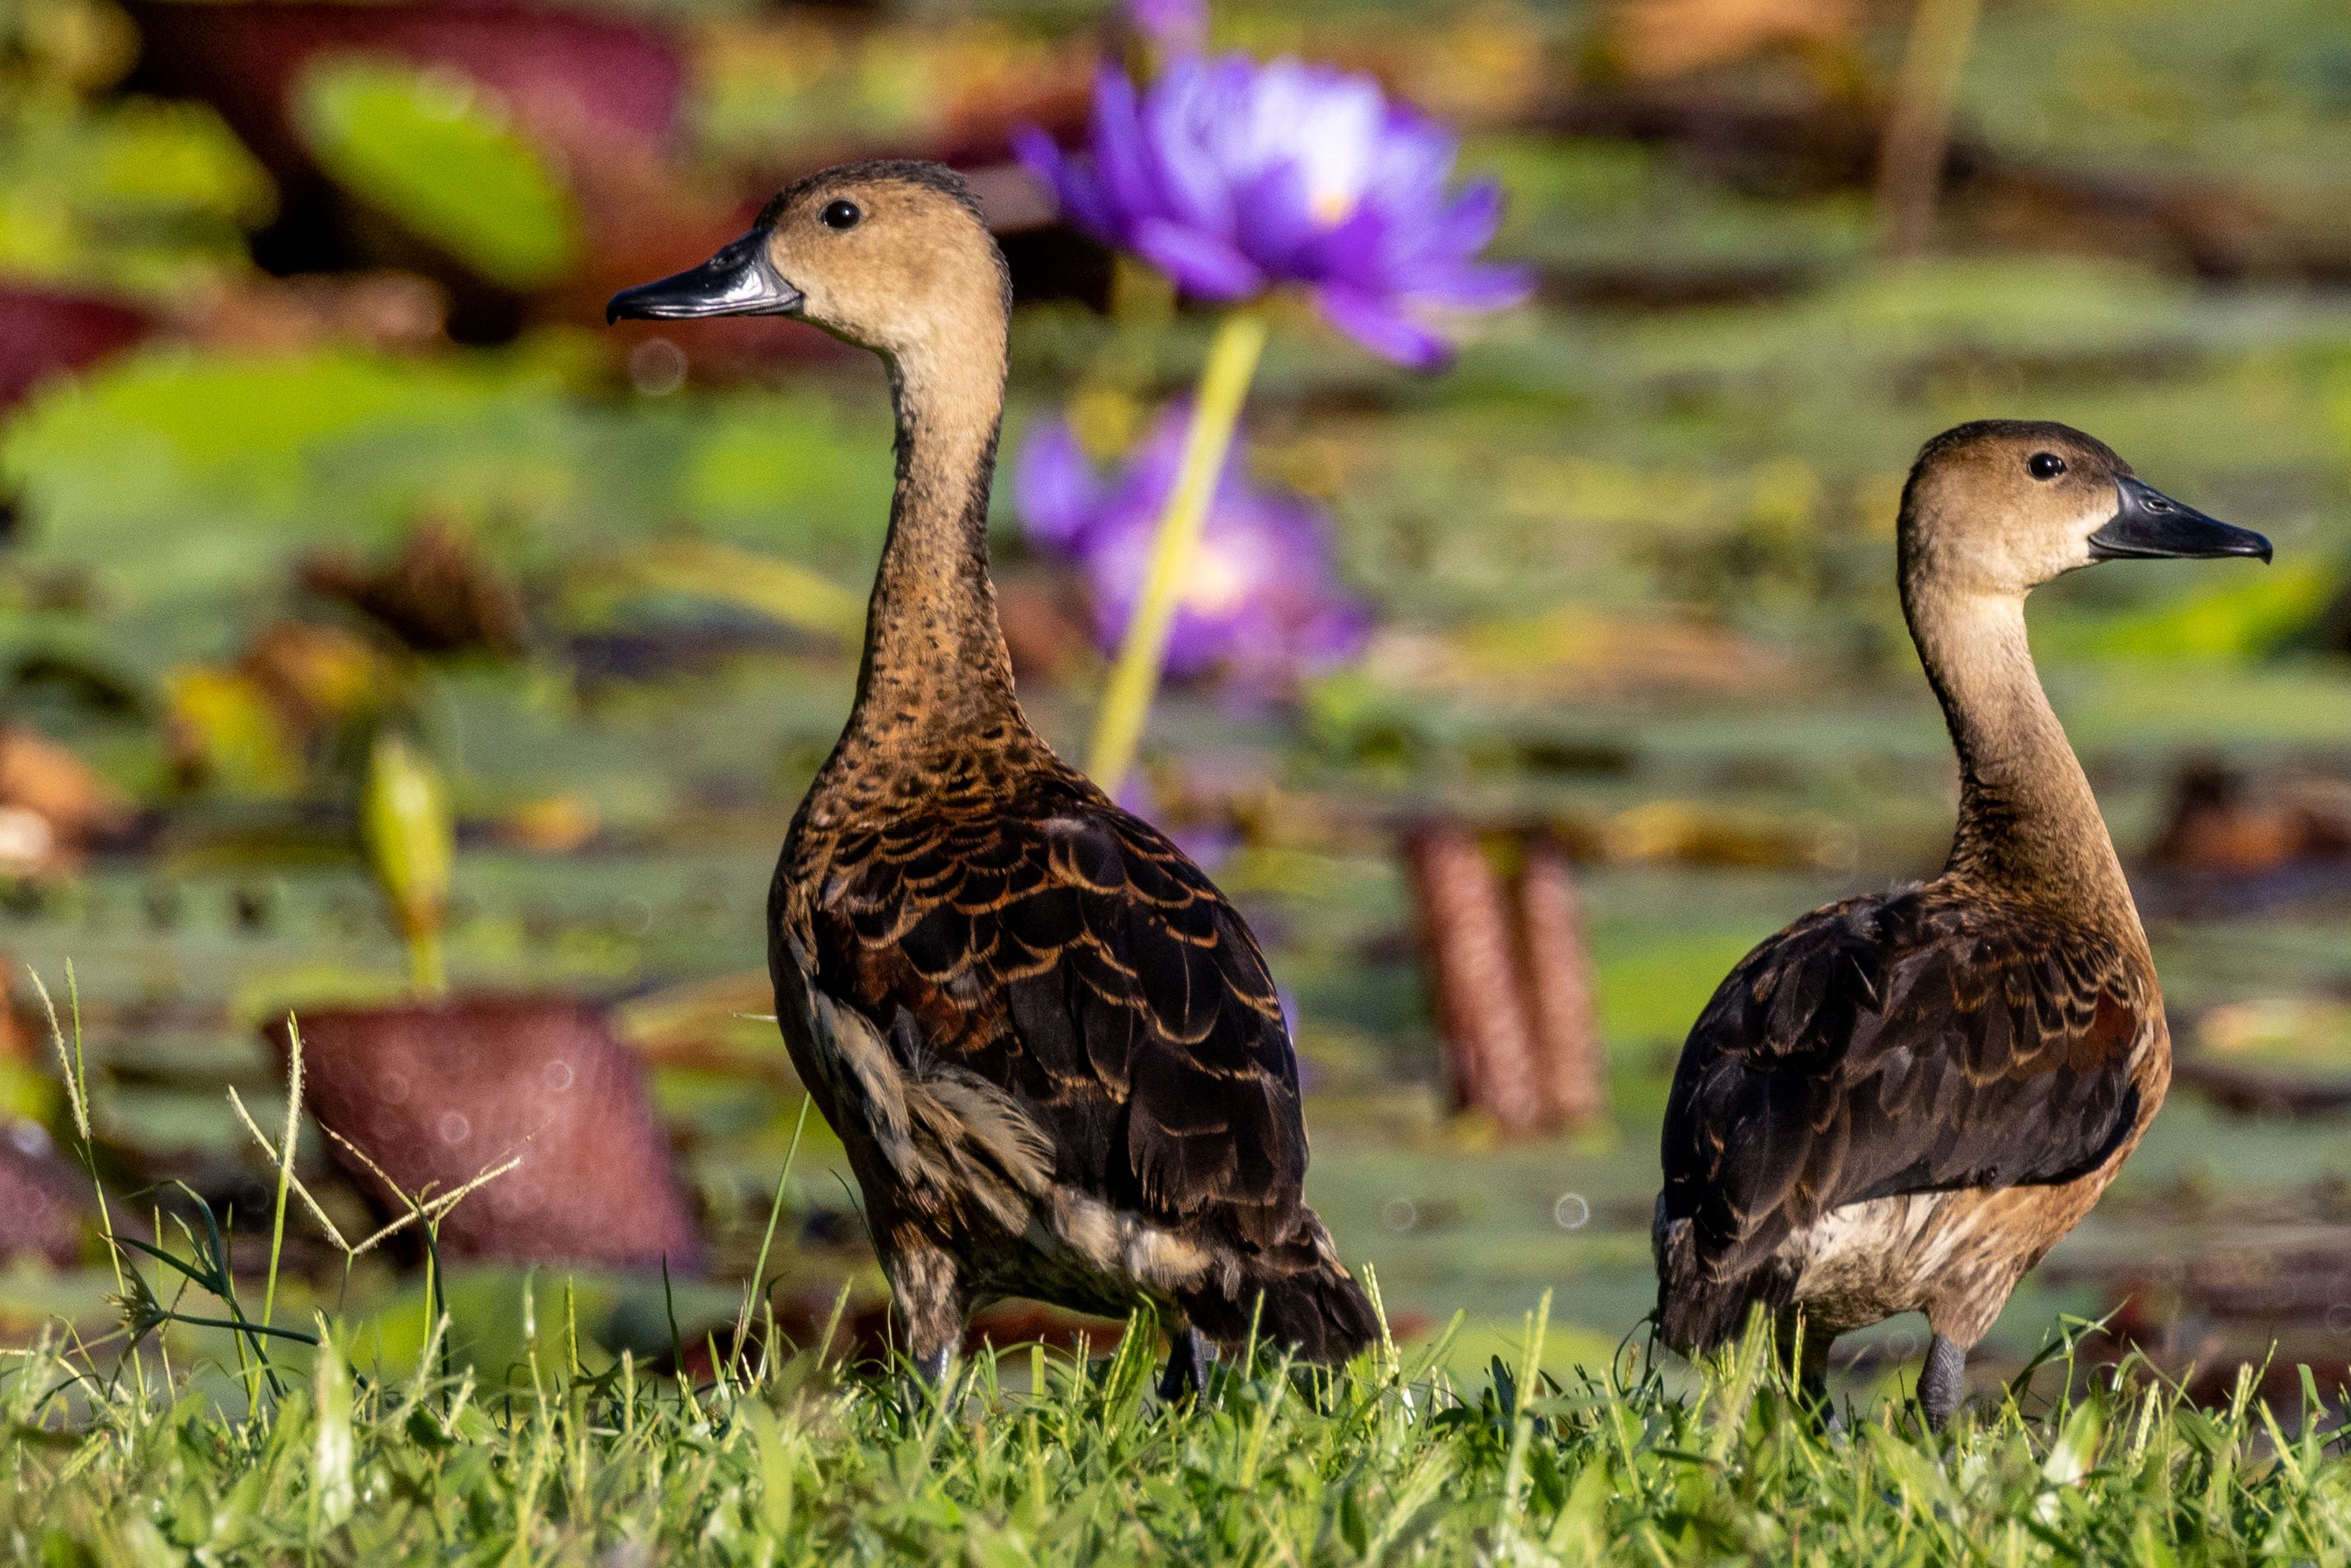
column 1260, row 603
column 1234, row 177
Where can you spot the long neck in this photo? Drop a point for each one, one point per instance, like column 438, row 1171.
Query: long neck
column 2028, row 826
column 935, row 654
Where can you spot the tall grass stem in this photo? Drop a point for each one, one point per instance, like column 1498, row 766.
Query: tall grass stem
column 758, row 1285
column 1917, row 135
column 285, row 1166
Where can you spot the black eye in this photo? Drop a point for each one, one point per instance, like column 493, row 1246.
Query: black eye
column 2044, row 464
column 841, row 214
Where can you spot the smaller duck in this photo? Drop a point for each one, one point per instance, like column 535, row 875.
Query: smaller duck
column 1902, row 1101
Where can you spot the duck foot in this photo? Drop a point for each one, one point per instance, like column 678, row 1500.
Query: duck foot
column 1188, row 1360
column 926, row 1377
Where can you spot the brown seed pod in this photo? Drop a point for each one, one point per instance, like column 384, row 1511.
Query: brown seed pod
column 1471, row 956
column 1571, row 1070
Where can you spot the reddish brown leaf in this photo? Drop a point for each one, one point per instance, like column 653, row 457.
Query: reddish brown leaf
column 436, row 1092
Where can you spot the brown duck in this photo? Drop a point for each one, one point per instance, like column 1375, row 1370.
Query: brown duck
column 1901, row 1102
column 1049, row 1044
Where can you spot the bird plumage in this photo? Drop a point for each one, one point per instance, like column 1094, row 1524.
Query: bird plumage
column 1015, row 929
column 1049, row 1044
column 1923, row 1041
column 1901, row 1102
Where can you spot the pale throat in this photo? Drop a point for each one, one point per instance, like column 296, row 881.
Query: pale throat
column 934, row 651
column 2027, row 819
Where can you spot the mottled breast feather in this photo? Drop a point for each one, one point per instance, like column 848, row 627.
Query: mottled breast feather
column 1066, row 952
column 1916, row 1042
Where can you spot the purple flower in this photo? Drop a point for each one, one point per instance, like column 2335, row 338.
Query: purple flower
column 1234, row 177
column 1170, row 23
column 1262, row 601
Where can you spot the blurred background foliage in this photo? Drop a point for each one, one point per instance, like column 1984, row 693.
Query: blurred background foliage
column 310, row 432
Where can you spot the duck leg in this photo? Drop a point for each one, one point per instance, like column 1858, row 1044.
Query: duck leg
column 1941, row 1381
column 931, row 1365
column 1188, row 1360
column 927, row 1287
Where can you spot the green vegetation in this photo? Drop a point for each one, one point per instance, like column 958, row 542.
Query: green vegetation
column 417, row 1440
column 424, row 150
column 1023, row 1460
column 1630, row 563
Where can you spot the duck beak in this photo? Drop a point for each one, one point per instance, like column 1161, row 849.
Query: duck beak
column 2151, row 523
column 738, row 281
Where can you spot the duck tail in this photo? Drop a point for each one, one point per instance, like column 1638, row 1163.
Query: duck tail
column 1698, row 1312
column 1298, row 1297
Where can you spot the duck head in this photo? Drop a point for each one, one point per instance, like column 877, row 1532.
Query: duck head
column 890, row 256
column 2001, row 506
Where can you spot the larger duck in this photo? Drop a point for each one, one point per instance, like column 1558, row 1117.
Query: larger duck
column 1901, row 1102
column 1049, row 1044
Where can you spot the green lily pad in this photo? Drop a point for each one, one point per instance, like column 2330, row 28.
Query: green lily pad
column 437, row 154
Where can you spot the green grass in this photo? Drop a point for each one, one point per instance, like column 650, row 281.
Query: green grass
column 331, row 1441
column 1030, row 1460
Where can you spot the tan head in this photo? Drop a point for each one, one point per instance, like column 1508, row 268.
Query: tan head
column 1999, row 506
column 890, row 256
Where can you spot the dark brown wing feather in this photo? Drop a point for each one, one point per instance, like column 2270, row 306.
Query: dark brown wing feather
column 1911, row 1042
column 1068, row 952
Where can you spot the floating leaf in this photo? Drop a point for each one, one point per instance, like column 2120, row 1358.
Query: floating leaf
column 435, row 152
column 2234, row 619
column 139, row 196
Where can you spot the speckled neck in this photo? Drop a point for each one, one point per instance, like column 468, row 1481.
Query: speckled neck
column 935, row 655
column 2028, row 826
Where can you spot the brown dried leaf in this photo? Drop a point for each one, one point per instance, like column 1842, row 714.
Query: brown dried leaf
column 53, row 805
column 1650, row 38
column 437, row 596
column 2223, row 822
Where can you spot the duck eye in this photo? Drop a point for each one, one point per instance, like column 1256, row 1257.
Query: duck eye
column 839, row 214
column 2045, row 465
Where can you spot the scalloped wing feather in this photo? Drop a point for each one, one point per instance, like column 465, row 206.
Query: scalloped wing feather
column 1067, row 954
column 1912, row 1042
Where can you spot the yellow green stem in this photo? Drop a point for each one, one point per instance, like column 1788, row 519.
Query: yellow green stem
column 1917, row 135
column 285, row 1166
column 410, row 841
column 1134, row 679
column 428, row 968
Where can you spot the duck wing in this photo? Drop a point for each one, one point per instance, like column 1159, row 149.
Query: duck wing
column 1912, row 1042
column 1068, row 953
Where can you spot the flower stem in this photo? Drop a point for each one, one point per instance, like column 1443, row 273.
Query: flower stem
column 428, row 963
column 1135, row 679
column 1917, row 135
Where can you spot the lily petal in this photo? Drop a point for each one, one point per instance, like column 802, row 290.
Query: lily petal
column 1201, row 263
column 1383, row 329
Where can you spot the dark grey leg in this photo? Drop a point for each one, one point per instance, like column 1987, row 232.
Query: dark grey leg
column 1941, row 1381
column 1189, row 1359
